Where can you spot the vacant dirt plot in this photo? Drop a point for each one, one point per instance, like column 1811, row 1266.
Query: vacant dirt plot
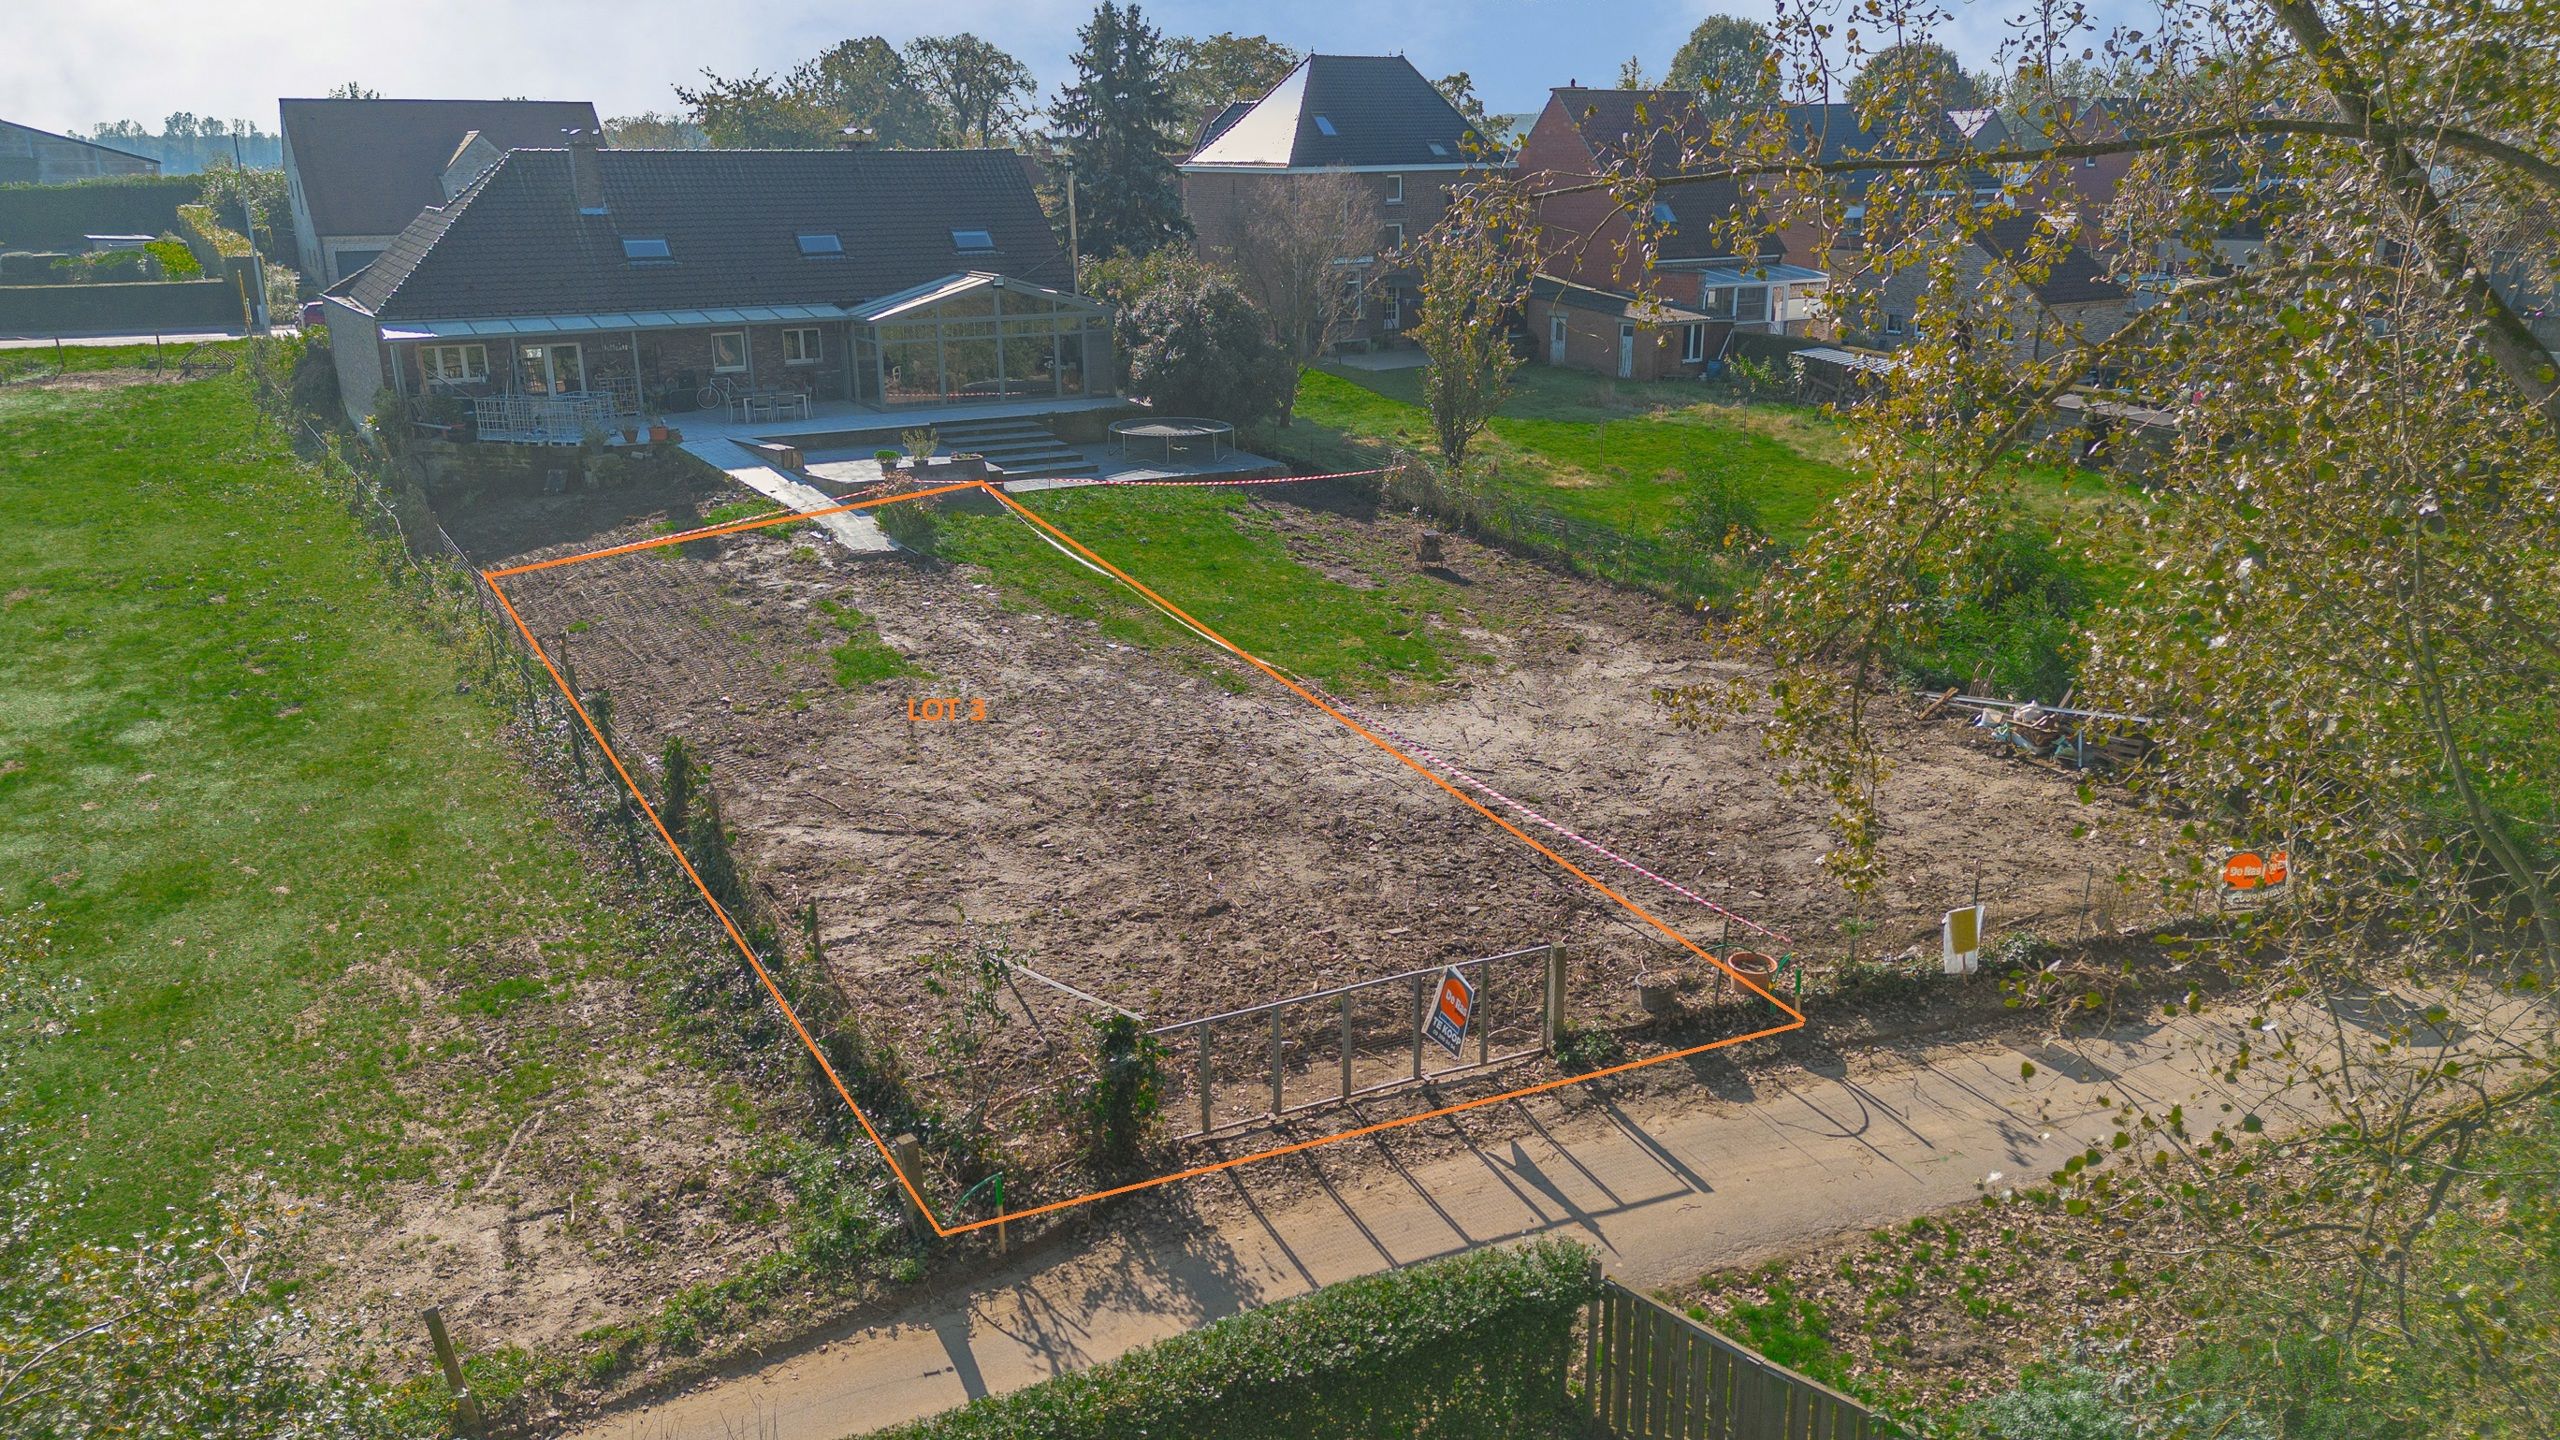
column 1178, row 835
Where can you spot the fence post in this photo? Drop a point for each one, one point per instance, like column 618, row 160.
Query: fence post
column 1204, row 1078
column 1345, row 997
column 1421, row 1017
column 1277, row 1098
column 1555, row 994
column 1481, row 1016
column 464, row 1404
column 910, row 1153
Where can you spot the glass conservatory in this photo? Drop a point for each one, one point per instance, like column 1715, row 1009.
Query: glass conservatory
column 979, row 337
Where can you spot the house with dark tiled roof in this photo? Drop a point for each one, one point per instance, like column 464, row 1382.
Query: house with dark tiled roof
column 29, row 156
column 358, row 171
column 2028, row 284
column 1373, row 117
column 583, row 285
column 1649, row 296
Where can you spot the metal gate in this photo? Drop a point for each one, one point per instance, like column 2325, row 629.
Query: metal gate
column 1327, row 1047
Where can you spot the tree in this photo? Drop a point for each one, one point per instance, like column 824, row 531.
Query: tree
column 1632, row 76
column 353, row 90
column 650, row 130
column 1473, row 272
column 867, row 84
column 1210, row 73
column 1301, row 225
column 1915, row 75
column 1459, row 89
column 1197, row 346
column 1113, row 126
column 1731, row 62
column 979, row 93
column 757, row 112
column 2342, row 612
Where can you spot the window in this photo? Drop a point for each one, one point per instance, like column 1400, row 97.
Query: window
column 1893, row 322
column 1395, row 189
column 728, row 352
column 1391, row 315
column 972, row 242
column 1439, row 149
column 641, row 249
column 455, row 364
column 1395, row 237
column 1751, row 304
column 1717, row 301
column 1693, row 344
column 816, row 246
column 802, row 346
column 1325, row 126
column 1661, row 212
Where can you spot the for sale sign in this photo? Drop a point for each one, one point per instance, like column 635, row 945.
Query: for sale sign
column 2249, row 870
column 1451, row 1009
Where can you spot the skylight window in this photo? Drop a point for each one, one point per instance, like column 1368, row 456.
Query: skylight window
column 646, row 247
column 1326, row 126
column 1439, row 149
column 1662, row 212
column 969, row 242
column 822, row 244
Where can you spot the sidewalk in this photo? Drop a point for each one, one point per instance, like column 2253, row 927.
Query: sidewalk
column 1726, row 1174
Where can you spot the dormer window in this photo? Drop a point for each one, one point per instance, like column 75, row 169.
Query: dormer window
column 646, row 249
column 825, row 246
column 973, row 242
column 1325, row 126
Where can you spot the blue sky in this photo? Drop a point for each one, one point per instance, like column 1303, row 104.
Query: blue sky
column 75, row 65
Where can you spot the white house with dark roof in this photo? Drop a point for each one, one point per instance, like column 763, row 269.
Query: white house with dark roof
column 577, row 287
column 1371, row 116
column 358, row 171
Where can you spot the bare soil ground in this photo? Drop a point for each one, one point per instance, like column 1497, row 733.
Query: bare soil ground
column 1177, row 835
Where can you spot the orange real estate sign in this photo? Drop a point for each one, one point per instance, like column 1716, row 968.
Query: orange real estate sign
column 1794, row 1018
column 1450, row 1010
column 2249, row 870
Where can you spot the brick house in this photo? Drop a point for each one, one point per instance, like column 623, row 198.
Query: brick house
column 611, row 284
column 1660, row 303
column 2083, row 190
column 358, row 171
column 2019, row 292
column 1370, row 116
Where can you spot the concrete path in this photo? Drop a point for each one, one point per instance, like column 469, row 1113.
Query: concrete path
column 1665, row 1188
column 202, row 337
column 856, row 531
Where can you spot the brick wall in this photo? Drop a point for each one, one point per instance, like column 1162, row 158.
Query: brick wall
column 1591, row 343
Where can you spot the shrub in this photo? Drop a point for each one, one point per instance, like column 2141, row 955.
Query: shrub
column 177, row 262
column 1197, row 346
column 1127, row 1089
column 921, row 442
column 913, row 524
column 2017, row 625
column 2072, row 1403
column 1474, row 1346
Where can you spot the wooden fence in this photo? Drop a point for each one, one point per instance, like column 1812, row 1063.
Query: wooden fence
column 1651, row 1373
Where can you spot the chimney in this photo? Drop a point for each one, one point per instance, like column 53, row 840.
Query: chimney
column 854, row 137
column 586, row 177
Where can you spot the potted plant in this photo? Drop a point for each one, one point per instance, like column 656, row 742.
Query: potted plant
column 631, row 433
column 658, row 431
column 889, row 458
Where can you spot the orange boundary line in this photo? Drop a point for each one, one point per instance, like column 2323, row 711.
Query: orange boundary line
column 1796, row 1019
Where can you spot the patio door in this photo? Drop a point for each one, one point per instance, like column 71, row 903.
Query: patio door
column 1555, row 339
column 551, row 369
column 1626, row 351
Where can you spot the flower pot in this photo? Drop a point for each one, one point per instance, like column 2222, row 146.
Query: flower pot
column 1658, row 993
column 630, row 434
column 658, row 433
column 1751, row 965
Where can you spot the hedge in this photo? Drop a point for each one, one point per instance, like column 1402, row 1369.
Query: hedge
column 1471, row 1347
column 149, row 307
column 54, row 217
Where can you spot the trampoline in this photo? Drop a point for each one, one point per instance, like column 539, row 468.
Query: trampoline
column 1174, row 440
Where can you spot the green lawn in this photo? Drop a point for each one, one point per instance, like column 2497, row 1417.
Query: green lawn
column 1625, row 456
column 280, row 850
column 1207, row 552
